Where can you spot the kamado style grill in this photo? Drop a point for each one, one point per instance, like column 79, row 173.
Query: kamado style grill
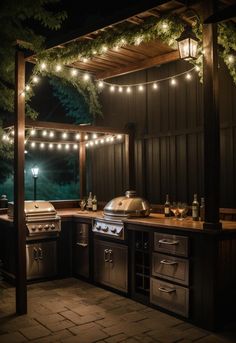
column 41, row 219
column 117, row 210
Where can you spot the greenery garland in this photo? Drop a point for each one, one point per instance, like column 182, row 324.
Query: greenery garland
column 167, row 29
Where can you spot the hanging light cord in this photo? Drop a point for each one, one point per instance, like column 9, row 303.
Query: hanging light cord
column 150, row 82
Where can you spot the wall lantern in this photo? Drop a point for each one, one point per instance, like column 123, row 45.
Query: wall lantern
column 187, row 44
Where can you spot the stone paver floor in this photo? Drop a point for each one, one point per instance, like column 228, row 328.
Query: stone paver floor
column 73, row 311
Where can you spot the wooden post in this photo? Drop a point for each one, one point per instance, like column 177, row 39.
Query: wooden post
column 129, row 159
column 211, row 121
column 82, row 167
column 19, row 159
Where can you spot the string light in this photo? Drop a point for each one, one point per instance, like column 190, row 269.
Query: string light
column 75, row 146
column 86, row 137
column 67, row 146
column 77, row 136
column 32, row 144
column 44, row 133
column 120, row 89
column 128, row 89
column 27, row 87
column 58, row 67
column 95, row 136
column 100, row 84
column 43, row 66
column 74, row 72
column 155, row 86
column 42, row 145
column 112, row 88
column 85, row 60
column 86, row 77
column 231, row 59
column 59, row 146
column 119, row 136
column 35, row 79
column 51, row 134
column 140, row 88
column 173, row 82
column 50, row 146
column 64, row 135
column 188, row 76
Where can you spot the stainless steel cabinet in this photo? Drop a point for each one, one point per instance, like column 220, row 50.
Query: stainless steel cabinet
column 41, row 259
column 111, row 264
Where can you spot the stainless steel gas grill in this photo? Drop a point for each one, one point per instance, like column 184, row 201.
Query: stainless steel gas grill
column 43, row 227
column 116, row 210
column 41, row 219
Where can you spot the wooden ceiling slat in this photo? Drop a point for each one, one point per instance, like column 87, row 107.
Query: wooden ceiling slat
column 148, row 63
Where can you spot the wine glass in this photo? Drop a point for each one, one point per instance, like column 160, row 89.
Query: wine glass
column 174, row 209
column 182, row 206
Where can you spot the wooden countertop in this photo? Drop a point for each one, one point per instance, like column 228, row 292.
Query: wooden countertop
column 155, row 220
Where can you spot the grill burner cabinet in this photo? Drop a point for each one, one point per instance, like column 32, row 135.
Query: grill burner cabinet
column 41, row 219
column 110, row 228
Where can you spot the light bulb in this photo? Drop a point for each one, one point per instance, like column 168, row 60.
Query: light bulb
column 74, row 72
column 32, row 144
column 104, row 48
column 108, row 139
column 155, row 86
column 164, row 26
column 100, row 84
column 86, row 77
column 75, row 146
column 91, row 143
column 231, row 59
column 85, row 60
column 95, row 136
column 140, row 88
column 120, row 89
column 51, row 134
column 35, row 79
column 87, row 145
column 188, row 76
column 128, row 90
column 42, row 145
column 67, row 146
column 23, row 94
column 64, row 135
column 32, row 132
column 58, row 67
column 50, row 146
column 173, row 82
column 119, row 136
column 112, row 88
column 86, row 137
column 112, row 139
column 77, row 136
column 44, row 133
column 197, row 68
column 94, row 52
column 102, row 140
column 27, row 87
column 59, row 146
column 43, row 66
column 96, row 142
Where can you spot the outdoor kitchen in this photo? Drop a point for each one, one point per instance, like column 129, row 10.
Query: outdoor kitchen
column 153, row 223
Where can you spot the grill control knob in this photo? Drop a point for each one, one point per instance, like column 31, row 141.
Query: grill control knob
column 105, row 229
column 46, row 227
column 53, row 226
column 33, row 228
column 40, row 227
column 113, row 230
column 98, row 227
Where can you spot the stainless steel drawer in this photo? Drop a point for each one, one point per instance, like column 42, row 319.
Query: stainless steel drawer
column 169, row 296
column 171, row 268
column 171, row 244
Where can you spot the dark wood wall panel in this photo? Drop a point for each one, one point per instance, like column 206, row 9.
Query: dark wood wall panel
column 169, row 139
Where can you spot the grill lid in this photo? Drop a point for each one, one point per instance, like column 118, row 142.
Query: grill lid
column 34, row 209
column 127, row 206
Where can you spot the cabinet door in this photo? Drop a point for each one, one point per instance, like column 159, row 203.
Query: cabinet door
column 47, row 259
column 101, row 262
column 32, row 266
column 118, row 261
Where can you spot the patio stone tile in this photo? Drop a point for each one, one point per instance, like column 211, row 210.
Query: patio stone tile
column 35, row 332
column 117, row 338
column 14, row 337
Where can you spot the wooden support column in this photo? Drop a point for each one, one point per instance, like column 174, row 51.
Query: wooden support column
column 19, row 160
column 82, row 167
column 129, row 159
column 211, row 121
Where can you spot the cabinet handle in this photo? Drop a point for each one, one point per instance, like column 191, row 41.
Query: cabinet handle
column 35, row 254
column 105, row 255
column 168, row 242
column 84, row 245
column 40, row 253
column 168, row 262
column 167, row 290
column 110, row 256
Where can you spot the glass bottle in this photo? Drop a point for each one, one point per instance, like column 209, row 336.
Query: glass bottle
column 89, row 202
column 195, row 208
column 202, row 209
column 167, row 206
column 94, row 203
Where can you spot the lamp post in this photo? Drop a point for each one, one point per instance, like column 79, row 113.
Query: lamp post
column 35, row 172
column 187, row 44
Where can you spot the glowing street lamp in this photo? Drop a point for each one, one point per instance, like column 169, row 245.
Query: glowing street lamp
column 35, row 173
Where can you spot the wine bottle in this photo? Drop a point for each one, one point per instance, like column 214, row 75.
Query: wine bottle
column 167, row 206
column 202, row 209
column 195, row 208
column 94, row 203
column 89, row 202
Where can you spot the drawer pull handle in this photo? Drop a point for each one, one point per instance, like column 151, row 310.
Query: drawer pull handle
column 168, row 262
column 166, row 290
column 84, row 245
column 168, row 242
column 106, row 259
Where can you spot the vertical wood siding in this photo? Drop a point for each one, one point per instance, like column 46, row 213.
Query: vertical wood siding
column 169, row 139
